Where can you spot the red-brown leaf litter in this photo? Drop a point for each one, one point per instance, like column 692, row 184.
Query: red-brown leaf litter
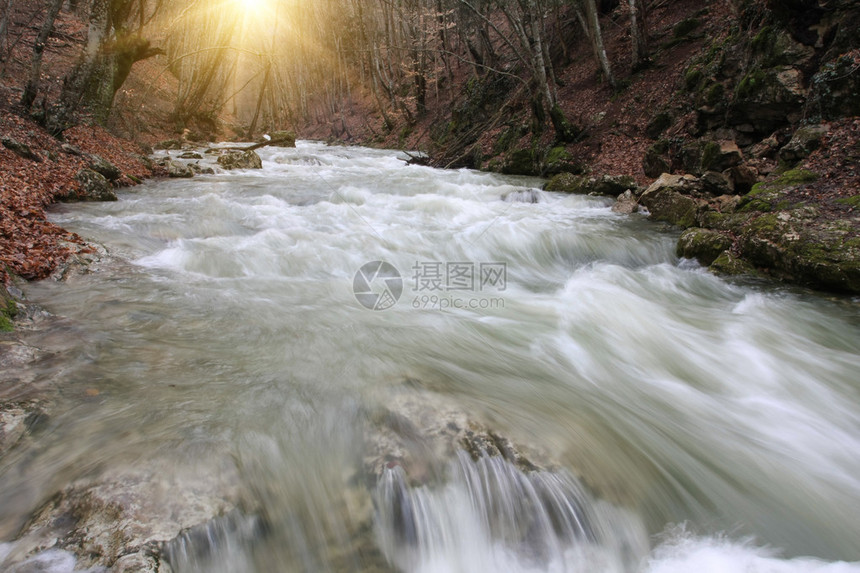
column 30, row 245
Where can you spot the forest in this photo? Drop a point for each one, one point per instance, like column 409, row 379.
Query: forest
column 285, row 63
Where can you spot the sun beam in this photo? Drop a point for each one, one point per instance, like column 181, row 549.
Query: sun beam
column 251, row 5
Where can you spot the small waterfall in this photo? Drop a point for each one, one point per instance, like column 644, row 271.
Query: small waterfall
column 491, row 515
column 219, row 545
column 524, row 196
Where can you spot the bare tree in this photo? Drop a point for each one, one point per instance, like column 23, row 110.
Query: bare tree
column 32, row 86
column 4, row 28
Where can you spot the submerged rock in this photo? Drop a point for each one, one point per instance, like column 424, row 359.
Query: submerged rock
column 523, row 196
column 121, row 521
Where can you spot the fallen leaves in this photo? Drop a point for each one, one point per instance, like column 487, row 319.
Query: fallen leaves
column 30, row 245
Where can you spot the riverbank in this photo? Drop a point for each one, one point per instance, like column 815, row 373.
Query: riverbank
column 37, row 170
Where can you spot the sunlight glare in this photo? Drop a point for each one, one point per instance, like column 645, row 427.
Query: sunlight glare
column 251, row 5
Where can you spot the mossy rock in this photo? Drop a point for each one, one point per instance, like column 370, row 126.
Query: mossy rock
column 728, row 264
column 610, row 185
column 800, row 247
column 769, row 195
column 658, row 124
column 507, row 138
column 559, row 160
column 835, row 90
column 520, row 162
column 692, row 78
column 93, row 187
column 702, row 244
column 804, row 141
column 283, row 139
column 774, row 47
column 720, row 156
column 655, row 162
column 668, row 199
column 566, row 183
column 714, row 94
column 240, row 160
column 8, row 311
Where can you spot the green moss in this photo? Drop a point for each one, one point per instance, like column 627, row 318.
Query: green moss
column 8, row 311
column 755, row 205
column 729, row 264
column 692, row 79
column 558, row 153
column 751, row 84
column 766, row 195
column 702, row 244
column 762, row 41
column 853, row 201
column 714, row 94
column 796, row 177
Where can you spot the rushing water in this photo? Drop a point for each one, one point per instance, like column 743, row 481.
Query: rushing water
column 697, row 424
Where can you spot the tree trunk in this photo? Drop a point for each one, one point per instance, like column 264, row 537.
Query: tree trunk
column 32, row 87
column 102, row 69
column 597, row 41
column 4, row 28
column 259, row 102
column 638, row 37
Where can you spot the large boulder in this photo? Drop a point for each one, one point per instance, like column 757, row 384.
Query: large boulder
column 612, row 185
column 702, row 244
column 804, row 141
column 797, row 245
column 240, row 160
column 520, row 162
column 179, row 170
column 559, row 160
column 671, row 199
column 282, row 139
column 720, row 155
column 836, row 88
column 101, row 165
column 656, row 160
column 20, row 149
column 768, row 98
column 122, row 521
column 92, row 187
column 626, row 203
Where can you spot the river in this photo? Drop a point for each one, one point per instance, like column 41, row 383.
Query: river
column 251, row 322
